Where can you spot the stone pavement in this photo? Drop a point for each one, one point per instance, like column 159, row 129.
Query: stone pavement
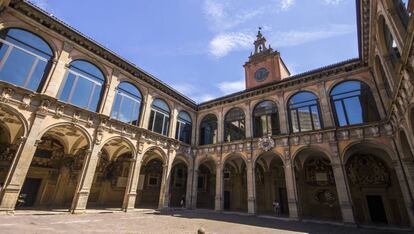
column 147, row 221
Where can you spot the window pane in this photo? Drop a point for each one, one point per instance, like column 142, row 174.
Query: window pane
column 95, row 98
column 115, row 107
column 135, row 114
column 353, row 110
column 166, row 125
column 83, row 91
column 28, row 40
column 305, row 119
column 3, row 49
column 294, row 120
column 315, row 117
column 151, row 120
column 17, row 67
column 37, row 75
column 64, row 96
column 177, row 131
column 340, row 114
column 126, row 110
column 158, row 123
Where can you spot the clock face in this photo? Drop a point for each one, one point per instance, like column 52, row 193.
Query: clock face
column 261, row 74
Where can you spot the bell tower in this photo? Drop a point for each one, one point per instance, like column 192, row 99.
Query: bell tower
column 265, row 65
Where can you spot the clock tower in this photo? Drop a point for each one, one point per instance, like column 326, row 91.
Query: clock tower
column 265, row 65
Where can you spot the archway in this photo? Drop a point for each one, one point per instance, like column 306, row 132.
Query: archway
column 206, row 185
column 270, row 184
column 111, row 175
column 235, row 184
column 178, row 184
column 316, row 186
column 374, row 186
column 150, row 179
column 55, row 169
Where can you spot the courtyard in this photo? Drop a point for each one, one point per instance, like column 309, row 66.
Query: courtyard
column 171, row 221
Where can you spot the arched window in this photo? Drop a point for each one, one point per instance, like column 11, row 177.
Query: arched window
column 265, row 119
column 160, row 117
column 183, row 130
column 208, row 130
column 234, row 125
column 82, row 86
column 127, row 104
column 401, row 8
column 353, row 103
column 24, row 58
column 389, row 42
column 383, row 77
column 304, row 112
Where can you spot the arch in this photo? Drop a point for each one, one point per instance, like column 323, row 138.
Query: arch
column 231, row 156
column 265, row 119
column 180, row 158
column 385, row 152
column 234, row 179
column 314, row 149
column 183, row 130
column 158, row 151
column 83, row 85
column 267, row 154
column 304, row 112
column 122, row 138
column 77, row 126
column 19, row 115
column 234, row 125
column 353, row 103
column 387, row 42
column 160, row 115
column 208, row 129
column 30, row 53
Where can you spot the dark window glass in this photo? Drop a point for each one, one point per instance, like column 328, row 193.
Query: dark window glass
column 390, row 44
column 83, row 85
column 353, row 104
column 234, row 125
column 24, row 58
column 208, row 130
column 266, row 119
column 304, row 112
column 383, row 76
column 183, row 129
column 160, row 117
column 127, row 104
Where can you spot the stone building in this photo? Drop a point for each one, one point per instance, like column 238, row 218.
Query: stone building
column 80, row 127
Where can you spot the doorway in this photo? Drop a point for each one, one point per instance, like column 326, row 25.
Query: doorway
column 29, row 191
column 227, row 200
column 376, row 209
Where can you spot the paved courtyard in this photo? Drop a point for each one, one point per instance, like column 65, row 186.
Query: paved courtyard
column 162, row 222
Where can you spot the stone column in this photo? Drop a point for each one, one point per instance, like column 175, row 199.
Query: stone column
column 146, row 111
column 396, row 27
column 291, row 190
column 326, row 112
column 62, row 181
column 220, row 127
column 194, row 188
column 173, row 123
column 56, row 79
column 109, row 99
column 344, row 196
column 131, row 189
column 251, row 187
column 164, row 201
column 219, row 187
column 189, row 186
column 407, row 199
column 83, row 188
column 20, row 166
column 248, row 121
column 282, row 114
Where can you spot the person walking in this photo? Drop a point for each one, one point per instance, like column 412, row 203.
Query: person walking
column 276, row 207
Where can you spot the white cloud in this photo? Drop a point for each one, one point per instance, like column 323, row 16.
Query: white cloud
column 293, row 38
column 286, row 4
column 194, row 92
column 332, row 2
column 204, row 98
column 228, row 87
column 44, row 4
column 223, row 44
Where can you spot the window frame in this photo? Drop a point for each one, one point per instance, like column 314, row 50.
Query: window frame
column 276, row 113
column 215, row 137
column 289, row 109
column 165, row 115
column 181, row 124
column 121, row 93
column 240, row 120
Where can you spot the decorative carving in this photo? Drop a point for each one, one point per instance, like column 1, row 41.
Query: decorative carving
column 44, row 107
column 67, row 47
column 366, row 169
column 26, row 100
column 59, row 111
column 6, row 94
column 325, row 196
column 75, row 117
column 319, row 172
column 266, row 143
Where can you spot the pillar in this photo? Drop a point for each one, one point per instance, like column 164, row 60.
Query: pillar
column 344, row 196
column 85, row 180
column 218, row 205
column 110, row 93
column 194, row 188
column 325, row 107
column 251, row 188
column 131, row 189
column 407, row 199
column 282, row 113
column 146, row 110
column 189, row 186
column 20, row 166
column 58, row 75
column 291, row 190
column 164, row 201
column 173, row 123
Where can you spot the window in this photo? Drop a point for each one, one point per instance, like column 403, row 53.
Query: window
column 82, row 86
column 304, row 112
column 401, row 8
column 353, row 103
column 208, row 130
column 24, row 58
column 127, row 104
column 265, row 119
column 160, row 117
column 389, row 42
column 183, row 129
column 234, row 125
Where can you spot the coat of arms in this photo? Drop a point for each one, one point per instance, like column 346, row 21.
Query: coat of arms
column 266, row 143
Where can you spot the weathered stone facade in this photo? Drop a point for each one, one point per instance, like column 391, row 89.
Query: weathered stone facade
column 76, row 158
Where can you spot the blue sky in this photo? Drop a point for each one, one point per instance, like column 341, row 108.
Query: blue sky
column 199, row 46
